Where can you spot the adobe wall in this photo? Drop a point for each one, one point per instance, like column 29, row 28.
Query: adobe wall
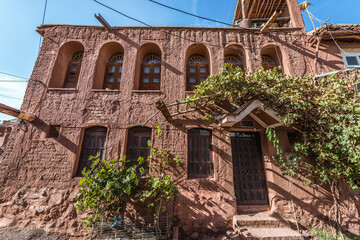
column 37, row 173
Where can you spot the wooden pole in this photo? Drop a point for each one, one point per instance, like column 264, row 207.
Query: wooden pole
column 160, row 105
column 16, row 113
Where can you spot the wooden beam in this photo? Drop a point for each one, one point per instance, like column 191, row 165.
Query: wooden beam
column 16, row 113
column 103, row 22
column 160, row 105
column 251, row 8
column 271, row 21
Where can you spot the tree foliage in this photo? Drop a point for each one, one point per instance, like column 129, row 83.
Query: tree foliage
column 325, row 112
column 108, row 186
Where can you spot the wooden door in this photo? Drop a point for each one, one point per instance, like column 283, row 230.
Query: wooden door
column 249, row 174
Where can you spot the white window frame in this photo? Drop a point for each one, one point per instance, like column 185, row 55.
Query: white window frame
column 351, row 54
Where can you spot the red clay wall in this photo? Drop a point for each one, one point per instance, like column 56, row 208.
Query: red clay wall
column 38, row 187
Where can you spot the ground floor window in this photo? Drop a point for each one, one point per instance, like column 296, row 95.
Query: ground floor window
column 138, row 144
column 199, row 153
column 93, row 143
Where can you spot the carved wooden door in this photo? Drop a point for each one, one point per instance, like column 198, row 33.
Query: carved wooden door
column 249, row 174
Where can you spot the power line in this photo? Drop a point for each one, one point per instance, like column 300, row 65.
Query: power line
column 8, row 80
column 42, row 23
column 12, row 75
column 11, row 97
column 191, row 14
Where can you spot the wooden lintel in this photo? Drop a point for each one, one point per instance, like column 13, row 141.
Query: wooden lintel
column 270, row 22
column 16, row 113
column 160, row 105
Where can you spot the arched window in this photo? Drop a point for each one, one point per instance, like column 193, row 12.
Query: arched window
column 93, row 143
column 199, row 153
column 113, row 71
column 137, row 144
column 73, row 70
column 198, row 71
column 150, row 72
column 268, row 62
column 234, row 60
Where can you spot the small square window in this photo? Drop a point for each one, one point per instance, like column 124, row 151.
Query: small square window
column 202, row 79
column 203, row 70
column 119, row 80
column 73, row 68
column 156, row 69
column 54, row 131
column 120, row 69
column 111, row 69
column 145, row 80
column 192, row 69
column 247, row 124
column 156, row 80
column 192, row 80
column 71, row 78
column 352, row 61
column 110, row 80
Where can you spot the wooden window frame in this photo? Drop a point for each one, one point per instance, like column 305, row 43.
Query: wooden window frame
column 69, row 73
column 140, row 133
column 198, row 75
column 116, row 75
column 192, row 152
column 96, row 133
column 151, row 85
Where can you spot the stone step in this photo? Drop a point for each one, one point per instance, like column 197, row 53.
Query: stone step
column 259, row 220
column 269, row 234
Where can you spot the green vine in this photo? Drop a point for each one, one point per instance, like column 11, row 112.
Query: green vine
column 107, row 187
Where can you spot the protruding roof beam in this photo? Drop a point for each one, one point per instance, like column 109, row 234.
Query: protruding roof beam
column 16, row 113
column 270, row 21
column 103, row 22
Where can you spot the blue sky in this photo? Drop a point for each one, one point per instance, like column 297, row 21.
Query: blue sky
column 19, row 18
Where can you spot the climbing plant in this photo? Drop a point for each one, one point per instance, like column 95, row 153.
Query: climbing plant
column 107, row 186
column 324, row 111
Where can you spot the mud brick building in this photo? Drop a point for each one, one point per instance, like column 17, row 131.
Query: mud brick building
column 94, row 89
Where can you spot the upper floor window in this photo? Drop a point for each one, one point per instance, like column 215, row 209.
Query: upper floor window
column 93, row 143
column 73, row 70
column 150, row 72
column 199, row 153
column 351, row 59
column 113, row 71
column 234, row 60
column 268, row 62
column 137, row 144
column 197, row 71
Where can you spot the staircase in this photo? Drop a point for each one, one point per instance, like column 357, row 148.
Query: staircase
column 263, row 225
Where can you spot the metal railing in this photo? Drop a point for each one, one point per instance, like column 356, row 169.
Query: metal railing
column 140, row 228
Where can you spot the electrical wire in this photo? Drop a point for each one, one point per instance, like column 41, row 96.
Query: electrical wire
column 191, row 14
column 12, row 75
column 11, row 97
column 42, row 23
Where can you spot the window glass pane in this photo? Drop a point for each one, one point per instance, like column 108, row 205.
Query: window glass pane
column 192, row 69
column 136, row 141
column 71, row 78
column 145, row 80
column 156, row 80
column 119, row 80
column 110, row 80
column 120, row 69
column 73, row 68
column 156, row 69
column 203, row 69
column 192, row 80
column 202, row 79
column 111, row 69
column 352, row 61
column 146, row 69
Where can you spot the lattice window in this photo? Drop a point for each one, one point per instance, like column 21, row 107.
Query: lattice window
column 197, row 59
column 268, row 62
column 73, row 70
column 233, row 59
column 137, row 145
column 197, row 71
column 199, row 153
column 93, row 143
column 150, row 72
column 114, row 70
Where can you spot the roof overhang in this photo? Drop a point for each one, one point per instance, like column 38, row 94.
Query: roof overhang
column 249, row 109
